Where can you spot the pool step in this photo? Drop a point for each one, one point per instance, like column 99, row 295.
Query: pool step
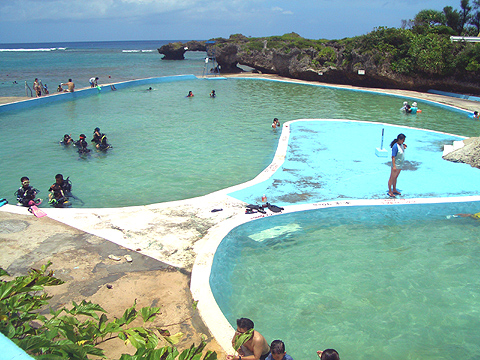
column 447, row 149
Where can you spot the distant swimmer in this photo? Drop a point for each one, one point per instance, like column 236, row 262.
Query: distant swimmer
column 70, row 86
column 406, row 108
column 212, row 94
column 190, row 94
column 149, row 89
column 93, row 81
column 476, row 115
column 275, row 123
column 67, row 140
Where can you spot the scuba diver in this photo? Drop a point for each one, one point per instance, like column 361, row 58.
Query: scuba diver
column 60, row 191
column 67, row 140
column 82, row 145
column 97, row 136
column 26, row 193
column 100, row 140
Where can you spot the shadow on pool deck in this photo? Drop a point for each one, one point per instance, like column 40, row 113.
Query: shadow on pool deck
column 335, row 160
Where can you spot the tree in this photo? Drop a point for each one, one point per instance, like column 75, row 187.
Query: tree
column 464, row 13
column 429, row 18
column 452, row 19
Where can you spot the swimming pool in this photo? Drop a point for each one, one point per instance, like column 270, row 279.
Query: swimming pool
column 167, row 147
column 373, row 282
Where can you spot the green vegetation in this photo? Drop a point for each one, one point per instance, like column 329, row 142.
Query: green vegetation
column 421, row 47
column 75, row 333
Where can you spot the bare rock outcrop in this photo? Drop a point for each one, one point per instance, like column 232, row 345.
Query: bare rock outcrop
column 469, row 154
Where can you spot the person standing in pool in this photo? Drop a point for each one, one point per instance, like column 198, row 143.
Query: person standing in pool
column 277, row 351
column 398, row 156
column 256, row 346
column 328, row 354
column 212, row 94
column 190, row 94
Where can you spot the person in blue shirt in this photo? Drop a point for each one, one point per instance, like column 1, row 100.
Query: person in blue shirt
column 277, row 351
column 398, row 156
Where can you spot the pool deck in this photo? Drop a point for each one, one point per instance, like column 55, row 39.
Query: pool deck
column 184, row 234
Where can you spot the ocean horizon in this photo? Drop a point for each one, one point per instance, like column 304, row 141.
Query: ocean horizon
column 112, row 61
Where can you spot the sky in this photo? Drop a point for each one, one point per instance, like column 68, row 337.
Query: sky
column 25, row 21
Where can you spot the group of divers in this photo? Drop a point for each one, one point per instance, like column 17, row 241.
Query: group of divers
column 59, row 193
column 99, row 139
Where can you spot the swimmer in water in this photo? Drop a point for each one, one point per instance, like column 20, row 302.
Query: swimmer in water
column 275, row 123
column 67, row 140
column 190, row 94
column 212, row 94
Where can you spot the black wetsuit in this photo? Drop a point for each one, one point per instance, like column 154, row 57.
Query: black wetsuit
column 61, row 192
column 25, row 195
column 97, row 138
column 82, row 146
column 103, row 145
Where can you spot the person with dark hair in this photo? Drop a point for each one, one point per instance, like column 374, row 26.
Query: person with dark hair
column 70, row 86
column 59, row 191
column 398, row 156
column 26, row 193
column 190, row 94
column 254, row 346
column 81, row 144
column 277, row 351
column 276, row 123
column 67, row 140
column 328, row 354
column 100, row 140
column 212, row 94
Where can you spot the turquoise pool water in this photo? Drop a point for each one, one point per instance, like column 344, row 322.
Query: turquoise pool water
column 373, row 282
column 167, row 147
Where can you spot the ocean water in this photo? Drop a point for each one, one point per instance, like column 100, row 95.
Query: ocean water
column 111, row 61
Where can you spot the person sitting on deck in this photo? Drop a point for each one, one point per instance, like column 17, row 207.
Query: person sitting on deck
column 60, row 89
column 249, row 343
column 70, row 86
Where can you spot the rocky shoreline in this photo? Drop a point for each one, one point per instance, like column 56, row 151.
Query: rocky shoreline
column 330, row 64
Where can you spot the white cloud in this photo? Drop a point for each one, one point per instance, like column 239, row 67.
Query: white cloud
column 280, row 10
column 31, row 10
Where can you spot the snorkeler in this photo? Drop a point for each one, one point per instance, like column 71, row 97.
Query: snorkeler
column 60, row 191
column 67, row 140
column 81, row 144
column 26, row 193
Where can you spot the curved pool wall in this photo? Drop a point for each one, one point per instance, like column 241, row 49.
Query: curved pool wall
column 139, row 125
column 201, row 274
column 78, row 94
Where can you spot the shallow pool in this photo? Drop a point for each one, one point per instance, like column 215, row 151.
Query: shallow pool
column 373, row 282
column 168, row 147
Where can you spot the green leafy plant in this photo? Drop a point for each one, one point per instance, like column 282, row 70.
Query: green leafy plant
column 75, row 333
